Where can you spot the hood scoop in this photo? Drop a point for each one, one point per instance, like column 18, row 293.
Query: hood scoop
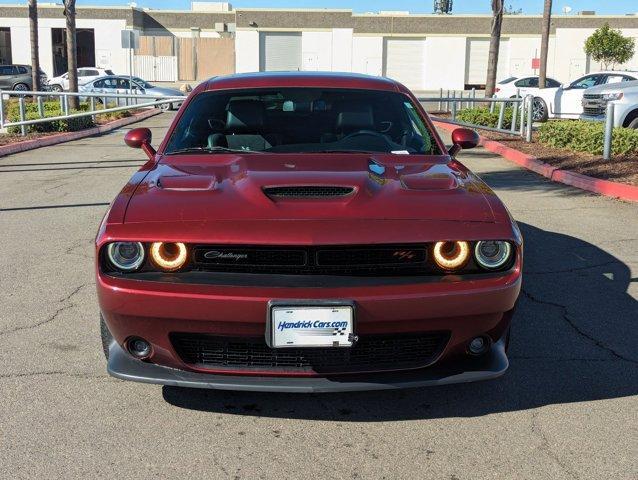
column 187, row 182
column 297, row 192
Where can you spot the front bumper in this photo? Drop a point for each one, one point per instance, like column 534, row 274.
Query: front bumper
column 492, row 365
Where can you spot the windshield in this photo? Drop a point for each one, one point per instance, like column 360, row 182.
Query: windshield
column 302, row 120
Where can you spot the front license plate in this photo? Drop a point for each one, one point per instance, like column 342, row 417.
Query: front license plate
column 311, row 326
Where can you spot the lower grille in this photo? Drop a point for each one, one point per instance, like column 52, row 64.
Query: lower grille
column 593, row 111
column 370, row 353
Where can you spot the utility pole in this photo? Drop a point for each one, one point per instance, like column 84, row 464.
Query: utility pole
column 547, row 19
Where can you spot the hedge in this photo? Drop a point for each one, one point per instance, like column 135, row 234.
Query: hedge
column 580, row 136
column 482, row 116
column 52, row 109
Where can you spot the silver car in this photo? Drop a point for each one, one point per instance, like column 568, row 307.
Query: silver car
column 119, row 84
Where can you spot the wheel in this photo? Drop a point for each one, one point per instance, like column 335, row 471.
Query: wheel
column 21, row 87
column 633, row 124
column 539, row 110
column 165, row 107
column 107, row 338
column 56, row 88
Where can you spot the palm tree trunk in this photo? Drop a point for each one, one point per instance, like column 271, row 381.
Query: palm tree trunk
column 547, row 19
column 495, row 44
column 71, row 51
column 33, row 32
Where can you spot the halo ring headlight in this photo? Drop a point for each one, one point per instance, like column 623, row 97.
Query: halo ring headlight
column 168, row 256
column 492, row 254
column 451, row 255
column 125, row 256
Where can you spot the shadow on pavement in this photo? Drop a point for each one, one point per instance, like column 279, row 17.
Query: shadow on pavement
column 574, row 339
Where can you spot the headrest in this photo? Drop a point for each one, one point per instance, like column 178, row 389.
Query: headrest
column 245, row 116
column 354, row 116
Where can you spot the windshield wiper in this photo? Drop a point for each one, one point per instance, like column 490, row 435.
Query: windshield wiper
column 209, row 150
column 345, row 150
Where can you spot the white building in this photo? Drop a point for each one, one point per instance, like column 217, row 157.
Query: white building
column 426, row 52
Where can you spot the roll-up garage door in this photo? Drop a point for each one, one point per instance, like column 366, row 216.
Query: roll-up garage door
column 280, row 51
column 478, row 52
column 405, row 61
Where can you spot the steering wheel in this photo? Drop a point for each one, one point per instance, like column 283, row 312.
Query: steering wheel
column 370, row 133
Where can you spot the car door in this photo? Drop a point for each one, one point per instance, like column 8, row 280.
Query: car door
column 569, row 100
column 6, row 77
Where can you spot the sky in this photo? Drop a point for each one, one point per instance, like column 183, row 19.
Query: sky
column 414, row 6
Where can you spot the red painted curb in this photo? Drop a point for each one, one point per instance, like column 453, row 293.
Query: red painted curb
column 567, row 177
column 68, row 136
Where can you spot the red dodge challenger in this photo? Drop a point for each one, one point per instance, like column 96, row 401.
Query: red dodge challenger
column 306, row 232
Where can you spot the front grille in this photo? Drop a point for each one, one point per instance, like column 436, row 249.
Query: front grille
column 593, row 96
column 308, row 191
column 370, row 353
column 594, row 111
column 350, row 260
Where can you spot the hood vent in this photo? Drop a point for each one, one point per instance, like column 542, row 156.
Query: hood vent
column 308, row 191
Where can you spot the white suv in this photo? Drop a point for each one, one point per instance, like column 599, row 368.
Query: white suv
column 85, row 74
column 566, row 101
column 625, row 98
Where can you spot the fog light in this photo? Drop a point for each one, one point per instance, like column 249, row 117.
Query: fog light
column 139, row 348
column 478, row 345
column 451, row 255
column 168, row 256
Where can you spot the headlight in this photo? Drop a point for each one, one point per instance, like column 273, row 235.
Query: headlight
column 168, row 256
column 125, row 256
column 492, row 254
column 612, row 96
column 451, row 255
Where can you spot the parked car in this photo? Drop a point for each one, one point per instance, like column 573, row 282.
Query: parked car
column 18, row 77
column 567, row 100
column 118, row 84
column 513, row 86
column 625, row 98
column 305, row 232
column 85, row 74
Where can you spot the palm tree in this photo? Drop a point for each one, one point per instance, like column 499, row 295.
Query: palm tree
column 71, row 51
column 547, row 18
column 33, row 32
column 495, row 44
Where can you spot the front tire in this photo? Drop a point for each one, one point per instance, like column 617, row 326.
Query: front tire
column 56, row 88
column 107, row 338
column 633, row 124
column 539, row 110
column 21, row 87
column 165, row 107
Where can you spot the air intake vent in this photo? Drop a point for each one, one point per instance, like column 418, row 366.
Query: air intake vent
column 308, row 191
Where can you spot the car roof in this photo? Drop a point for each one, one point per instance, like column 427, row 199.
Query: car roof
column 302, row 79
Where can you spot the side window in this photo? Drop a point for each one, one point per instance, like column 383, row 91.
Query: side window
column 22, row 70
column 533, row 82
column 110, row 83
column 123, row 83
column 551, row 83
column 91, row 73
column 6, row 70
column 586, row 82
column 81, row 73
column 523, row 83
column 615, row 79
column 98, row 84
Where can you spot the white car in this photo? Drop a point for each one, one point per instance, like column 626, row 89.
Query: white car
column 513, row 86
column 625, row 98
column 566, row 101
column 85, row 74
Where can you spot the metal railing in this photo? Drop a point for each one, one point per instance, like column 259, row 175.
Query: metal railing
column 522, row 112
column 129, row 100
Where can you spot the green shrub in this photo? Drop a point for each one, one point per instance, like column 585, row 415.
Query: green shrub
column 587, row 137
column 51, row 109
column 482, row 116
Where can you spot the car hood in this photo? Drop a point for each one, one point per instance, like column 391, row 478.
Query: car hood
column 219, row 187
column 613, row 87
column 169, row 92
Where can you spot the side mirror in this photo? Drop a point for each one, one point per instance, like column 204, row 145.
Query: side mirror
column 140, row 138
column 463, row 139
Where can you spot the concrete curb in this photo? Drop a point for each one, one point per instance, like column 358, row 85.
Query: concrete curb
column 68, row 136
column 567, row 177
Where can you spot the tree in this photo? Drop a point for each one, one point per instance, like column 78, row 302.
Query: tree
column 547, row 20
column 33, row 32
column 71, row 51
column 609, row 47
column 495, row 45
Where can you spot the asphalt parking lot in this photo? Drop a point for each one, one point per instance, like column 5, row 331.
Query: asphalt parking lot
column 566, row 409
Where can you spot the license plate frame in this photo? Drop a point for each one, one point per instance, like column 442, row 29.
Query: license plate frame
column 344, row 339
